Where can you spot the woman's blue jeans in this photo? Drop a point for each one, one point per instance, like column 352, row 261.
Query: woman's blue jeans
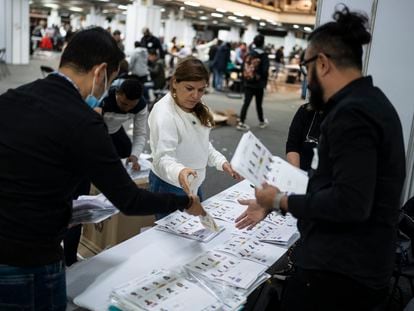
column 41, row 288
column 156, row 184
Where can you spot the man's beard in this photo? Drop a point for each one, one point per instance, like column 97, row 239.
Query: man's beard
column 316, row 92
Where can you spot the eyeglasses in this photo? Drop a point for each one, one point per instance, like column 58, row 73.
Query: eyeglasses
column 303, row 67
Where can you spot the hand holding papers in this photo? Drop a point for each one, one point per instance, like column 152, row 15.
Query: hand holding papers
column 255, row 162
column 92, row 209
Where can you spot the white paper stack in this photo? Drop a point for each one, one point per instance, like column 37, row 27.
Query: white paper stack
column 186, row 226
column 251, row 249
column 233, row 271
column 92, row 209
column 223, row 210
column 254, row 162
column 146, row 166
column 235, row 195
column 164, row 290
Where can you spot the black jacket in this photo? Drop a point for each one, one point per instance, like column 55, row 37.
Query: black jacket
column 56, row 142
column 348, row 218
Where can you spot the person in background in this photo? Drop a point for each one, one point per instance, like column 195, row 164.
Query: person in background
column 303, row 136
column 348, row 218
column 255, row 71
column 156, row 68
column 279, row 60
column 219, row 65
column 241, row 52
column 64, row 141
column 138, row 64
column 124, row 102
column 180, row 126
column 150, row 42
column 118, row 39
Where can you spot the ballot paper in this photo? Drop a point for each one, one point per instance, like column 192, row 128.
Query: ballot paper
column 144, row 171
column 254, row 162
column 164, row 290
column 227, row 211
column 269, row 233
column 281, row 221
column 249, row 248
column 235, row 195
column 92, row 209
column 218, row 266
column 185, row 225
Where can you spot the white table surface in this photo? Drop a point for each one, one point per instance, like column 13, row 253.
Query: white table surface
column 90, row 282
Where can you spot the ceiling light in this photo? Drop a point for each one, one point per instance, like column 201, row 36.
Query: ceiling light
column 203, row 18
column 51, row 5
column 232, row 17
column 200, row 12
column 296, row 26
column 104, row 0
column 262, row 24
column 122, row 7
column 239, row 20
column 239, row 14
column 182, row 8
column 221, row 10
column 162, row 10
column 192, row 3
column 75, row 9
column 219, row 15
column 105, row 11
column 215, row 22
column 256, row 18
column 307, row 29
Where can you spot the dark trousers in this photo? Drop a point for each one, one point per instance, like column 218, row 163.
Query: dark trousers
column 122, row 143
column 248, row 95
column 311, row 290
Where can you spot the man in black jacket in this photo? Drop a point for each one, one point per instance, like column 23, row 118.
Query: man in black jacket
column 255, row 71
column 56, row 142
column 348, row 218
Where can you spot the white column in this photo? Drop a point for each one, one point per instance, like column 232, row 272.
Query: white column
column 250, row 33
column 290, row 42
column 75, row 22
column 138, row 17
column 53, row 18
column 94, row 18
column 14, row 30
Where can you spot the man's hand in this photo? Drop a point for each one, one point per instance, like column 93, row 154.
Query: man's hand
column 134, row 161
column 196, row 209
column 229, row 170
column 183, row 178
column 266, row 196
column 251, row 216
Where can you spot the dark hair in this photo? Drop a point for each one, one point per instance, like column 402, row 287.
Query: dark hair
column 258, row 41
column 116, row 33
column 137, row 44
column 92, row 47
column 343, row 38
column 131, row 88
column 193, row 69
column 152, row 52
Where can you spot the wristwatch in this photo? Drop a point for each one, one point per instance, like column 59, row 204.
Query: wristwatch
column 276, row 203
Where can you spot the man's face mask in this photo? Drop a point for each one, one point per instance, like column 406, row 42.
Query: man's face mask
column 91, row 100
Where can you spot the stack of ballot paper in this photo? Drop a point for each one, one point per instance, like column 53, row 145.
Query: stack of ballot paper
column 164, row 290
column 143, row 172
column 254, row 162
column 227, row 211
column 228, row 269
column 188, row 226
column 92, row 209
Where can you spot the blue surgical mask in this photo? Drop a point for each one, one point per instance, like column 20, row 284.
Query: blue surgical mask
column 91, row 100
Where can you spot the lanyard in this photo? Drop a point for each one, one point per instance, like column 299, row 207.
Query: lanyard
column 57, row 73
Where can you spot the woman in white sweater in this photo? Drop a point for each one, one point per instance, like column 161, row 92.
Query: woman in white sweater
column 180, row 126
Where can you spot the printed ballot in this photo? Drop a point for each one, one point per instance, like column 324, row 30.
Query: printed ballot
column 254, row 162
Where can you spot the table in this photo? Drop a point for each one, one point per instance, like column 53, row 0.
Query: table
column 90, row 282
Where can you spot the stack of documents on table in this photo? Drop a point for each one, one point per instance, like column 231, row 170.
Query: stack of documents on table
column 235, row 195
column 249, row 248
column 164, row 290
column 254, row 162
column 188, row 226
column 145, row 165
column 227, row 269
column 270, row 233
column 92, row 209
column 227, row 211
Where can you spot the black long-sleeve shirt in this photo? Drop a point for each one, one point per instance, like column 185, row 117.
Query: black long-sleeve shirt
column 56, row 141
column 348, row 218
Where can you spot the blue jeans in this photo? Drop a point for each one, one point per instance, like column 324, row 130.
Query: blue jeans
column 33, row 288
column 156, row 184
column 218, row 79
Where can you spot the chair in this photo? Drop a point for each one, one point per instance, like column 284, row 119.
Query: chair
column 46, row 70
column 4, row 70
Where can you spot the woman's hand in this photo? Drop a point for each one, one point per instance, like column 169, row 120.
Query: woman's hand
column 229, row 170
column 183, row 178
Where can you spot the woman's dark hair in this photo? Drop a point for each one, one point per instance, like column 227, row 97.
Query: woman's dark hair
column 343, row 38
column 131, row 88
column 192, row 69
column 92, row 47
